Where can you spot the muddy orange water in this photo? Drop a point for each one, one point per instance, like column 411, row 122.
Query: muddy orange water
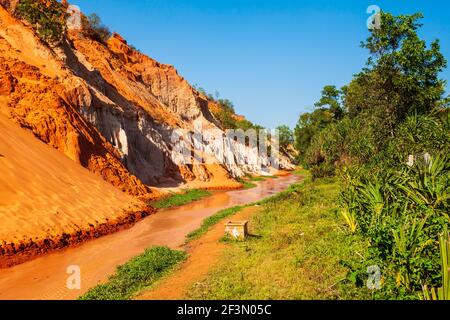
column 46, row 277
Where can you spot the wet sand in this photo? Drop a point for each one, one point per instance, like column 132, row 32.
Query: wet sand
column 45, row 277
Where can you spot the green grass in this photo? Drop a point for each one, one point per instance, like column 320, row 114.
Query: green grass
column 271, row 177
column 256, row 179
column 299, row 249
column 179, row 199
column 248, row 181
column 247, row 184
column 137, row 274
column 211, row 221
column 301, row 172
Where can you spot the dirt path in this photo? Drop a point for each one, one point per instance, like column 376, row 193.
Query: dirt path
column 203, row 254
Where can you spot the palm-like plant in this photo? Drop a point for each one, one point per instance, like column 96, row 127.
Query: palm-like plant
column 407, row 244
column 442, row 293
column 402, row 211
column 428, row 184
column 350, row 219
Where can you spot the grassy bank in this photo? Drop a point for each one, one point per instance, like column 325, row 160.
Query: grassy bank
column 299, row 250
column 137, row 274
column 212, row 220
column 179, row 199
column 246, row 184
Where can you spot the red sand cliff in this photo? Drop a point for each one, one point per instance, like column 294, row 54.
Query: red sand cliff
column 104, row 107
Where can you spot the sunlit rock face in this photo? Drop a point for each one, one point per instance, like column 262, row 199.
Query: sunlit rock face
column 116, row 111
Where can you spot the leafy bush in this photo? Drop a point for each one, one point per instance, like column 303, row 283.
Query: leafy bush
column 419, row 134
column 286, row 136
column 95, row 29
column 226, row 113
column 402, row 212
column 365, row 121
column 442, row 293
column 48, row 18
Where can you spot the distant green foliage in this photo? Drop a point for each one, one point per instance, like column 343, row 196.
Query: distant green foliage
column 134, row 48
column 48, row 18
column 137, row 274
column 179, row 199
column 331, row 100
column 95, row 29
column 358, row 123
column 226, row 105
column 226, row 115
column 308, row 126
column 286, row 136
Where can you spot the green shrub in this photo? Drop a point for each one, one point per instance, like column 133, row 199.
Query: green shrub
column 225, row 114
column 47, row 18
column 402, row 211
column 441, row 293
column 95, row 29
column 136, row 274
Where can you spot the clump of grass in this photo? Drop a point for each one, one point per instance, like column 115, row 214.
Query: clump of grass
column 212, row 220
column 247, row 184
column 179, row 199
column 137, row 274
column 301, row 172
column 271, row 177
column 257, row 179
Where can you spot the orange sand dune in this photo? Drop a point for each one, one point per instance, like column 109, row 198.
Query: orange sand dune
column 44, row 194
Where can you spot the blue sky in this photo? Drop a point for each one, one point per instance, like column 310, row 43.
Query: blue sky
column 271, row 58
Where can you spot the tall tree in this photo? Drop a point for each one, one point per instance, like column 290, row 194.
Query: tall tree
column 402, row 69
column 286, row 136
column 331, row 98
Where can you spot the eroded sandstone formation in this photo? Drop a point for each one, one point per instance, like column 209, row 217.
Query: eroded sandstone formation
column 110, row 108
column 114, row 111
